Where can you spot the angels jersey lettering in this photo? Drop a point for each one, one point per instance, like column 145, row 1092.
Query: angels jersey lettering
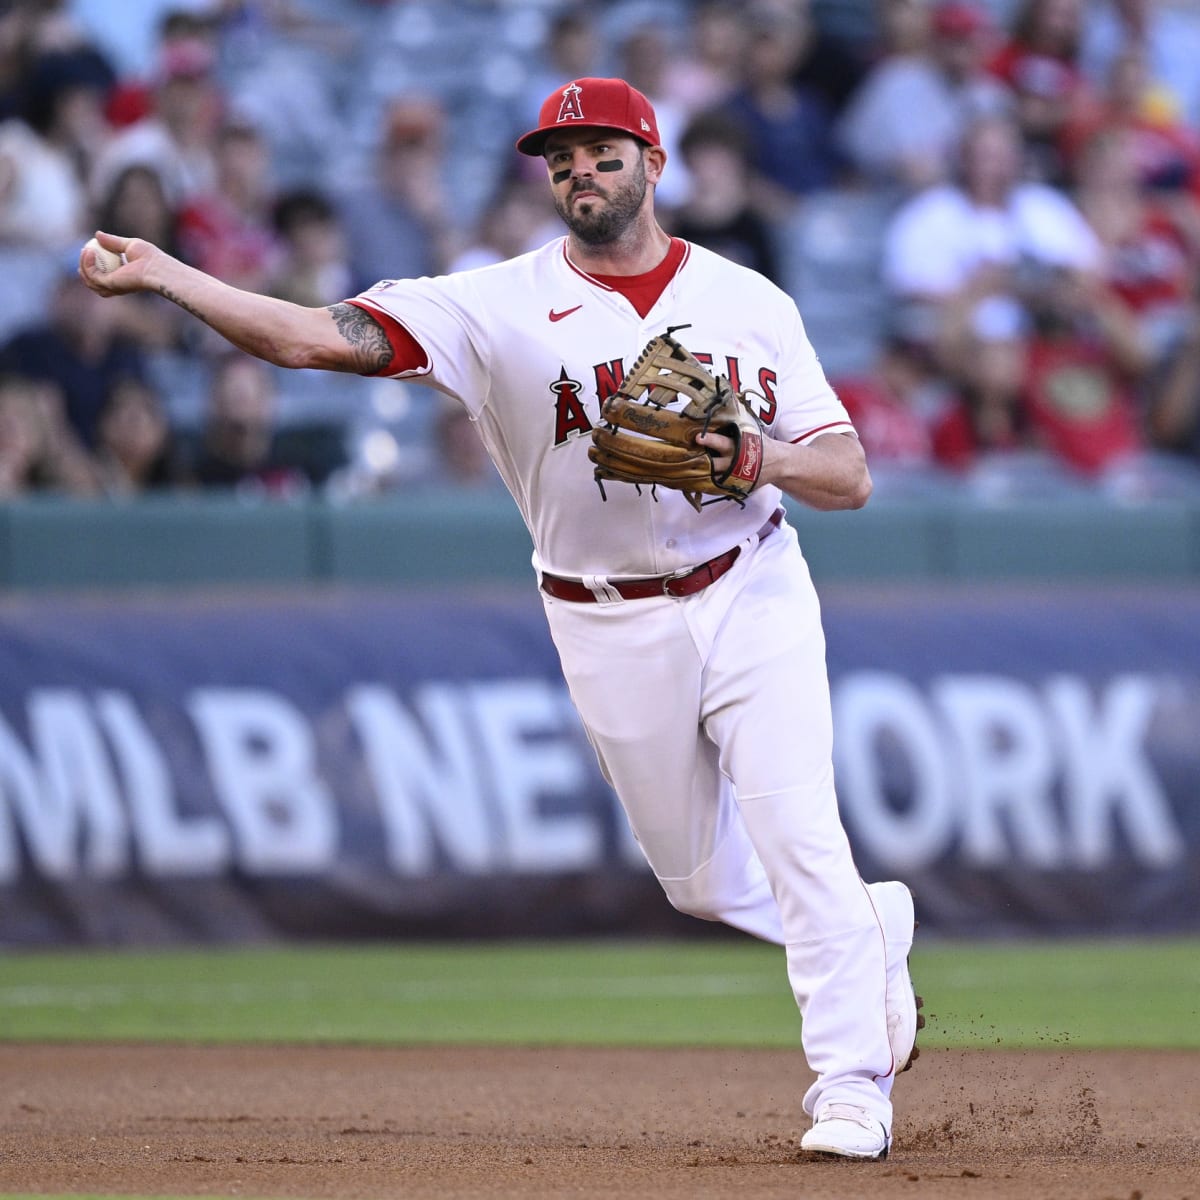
column 522, row 379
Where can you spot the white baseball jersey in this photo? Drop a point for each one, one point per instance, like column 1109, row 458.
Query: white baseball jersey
column 533, row 346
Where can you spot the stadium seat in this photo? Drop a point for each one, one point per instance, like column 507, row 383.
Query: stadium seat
column 1150, row 477
column 830, row 252
column 1020, row 476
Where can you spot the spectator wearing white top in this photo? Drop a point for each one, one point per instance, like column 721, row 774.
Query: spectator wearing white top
column 990, row 220
column 43, row 153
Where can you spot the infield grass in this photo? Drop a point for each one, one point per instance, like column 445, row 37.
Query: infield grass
column 714, row 992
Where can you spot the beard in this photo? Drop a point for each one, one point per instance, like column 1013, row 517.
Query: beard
column 601, row 225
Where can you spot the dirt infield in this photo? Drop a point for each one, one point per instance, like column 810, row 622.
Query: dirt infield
column 367, row 1122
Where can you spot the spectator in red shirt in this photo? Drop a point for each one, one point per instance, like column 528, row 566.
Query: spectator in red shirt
column 1039, row 62
column 986, row 352
column 1150, row 236
column 227, row 231
column 1085, row 363
column 1065, row 383
column 895, row 404
column 1165, row 150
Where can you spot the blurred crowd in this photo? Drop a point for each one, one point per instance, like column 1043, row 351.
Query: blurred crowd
column 988, row 211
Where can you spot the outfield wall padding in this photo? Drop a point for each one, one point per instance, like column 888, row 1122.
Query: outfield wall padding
column 442, row 537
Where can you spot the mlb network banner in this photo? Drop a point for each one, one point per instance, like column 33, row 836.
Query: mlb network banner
column 229, row 769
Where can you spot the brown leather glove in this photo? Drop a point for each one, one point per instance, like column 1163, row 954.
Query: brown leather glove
column 644, row 442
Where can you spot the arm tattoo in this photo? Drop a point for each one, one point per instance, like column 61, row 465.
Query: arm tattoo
column 372, row 350
column 167, row 294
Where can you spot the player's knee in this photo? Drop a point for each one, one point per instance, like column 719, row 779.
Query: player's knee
column 693, row 897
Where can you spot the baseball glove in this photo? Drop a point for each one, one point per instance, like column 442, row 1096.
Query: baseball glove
column 642, row 441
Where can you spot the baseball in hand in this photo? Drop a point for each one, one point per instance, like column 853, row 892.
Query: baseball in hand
column 106, row 260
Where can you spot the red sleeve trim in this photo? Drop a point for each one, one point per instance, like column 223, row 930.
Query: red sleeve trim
column 408, row 355
column 812, row 433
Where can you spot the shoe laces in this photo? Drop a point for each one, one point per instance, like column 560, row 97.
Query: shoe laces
column 840, row 1111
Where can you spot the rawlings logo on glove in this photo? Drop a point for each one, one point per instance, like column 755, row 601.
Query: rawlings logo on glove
column 644, row 442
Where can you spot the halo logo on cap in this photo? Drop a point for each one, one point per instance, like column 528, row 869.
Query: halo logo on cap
column 571, row 108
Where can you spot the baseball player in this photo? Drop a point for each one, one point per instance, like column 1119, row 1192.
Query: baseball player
column 689, row 631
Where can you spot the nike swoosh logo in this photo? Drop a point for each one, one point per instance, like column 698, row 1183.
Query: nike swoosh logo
column 566, row 312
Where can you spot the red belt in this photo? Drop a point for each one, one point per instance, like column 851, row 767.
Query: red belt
column 681, row 583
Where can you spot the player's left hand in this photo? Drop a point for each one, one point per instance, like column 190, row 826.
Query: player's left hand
column 720, row 450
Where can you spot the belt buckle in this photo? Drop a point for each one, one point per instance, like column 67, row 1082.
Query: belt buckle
column 682, row 573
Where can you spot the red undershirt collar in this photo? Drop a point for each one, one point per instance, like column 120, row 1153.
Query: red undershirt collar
column 643, row 291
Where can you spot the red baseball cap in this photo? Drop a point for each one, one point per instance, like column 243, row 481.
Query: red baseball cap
column 959, row 18
column 593, row 104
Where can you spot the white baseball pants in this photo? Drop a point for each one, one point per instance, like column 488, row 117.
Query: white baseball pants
column 710, row 716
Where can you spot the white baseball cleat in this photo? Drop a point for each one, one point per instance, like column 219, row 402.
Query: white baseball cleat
column 848, row 1131
column 894, row 904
